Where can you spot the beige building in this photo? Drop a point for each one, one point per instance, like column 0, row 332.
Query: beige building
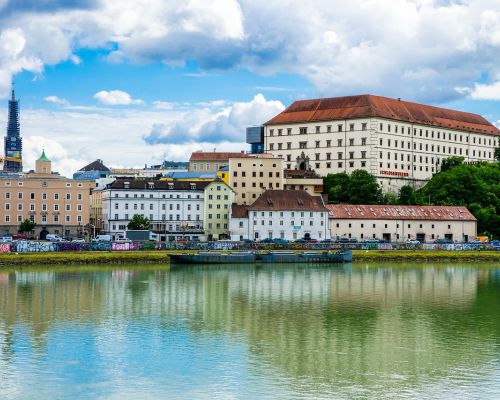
column 56, row 204
column 250, row 176
column 397, row 141
column 401, row 223
column 211, row 161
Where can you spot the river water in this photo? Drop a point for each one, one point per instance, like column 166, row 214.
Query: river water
column 241, row 332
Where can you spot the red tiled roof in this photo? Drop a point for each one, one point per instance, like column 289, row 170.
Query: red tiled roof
column 211, row 156
column 239, row 211
column 285, row 200
column 434, row 213
column 367, row 106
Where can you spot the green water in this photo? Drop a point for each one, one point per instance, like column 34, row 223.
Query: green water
column 239, row 332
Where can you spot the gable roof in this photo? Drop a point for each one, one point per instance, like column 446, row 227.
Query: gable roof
column 214, row 156
column 367, row 106
column 96, row 165
column 239, row 210
column 434, row 213
column 287, row 200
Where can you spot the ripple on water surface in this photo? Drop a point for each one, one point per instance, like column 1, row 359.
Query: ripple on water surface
column 242, row 332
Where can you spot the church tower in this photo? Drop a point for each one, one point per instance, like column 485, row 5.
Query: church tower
column 13, row 143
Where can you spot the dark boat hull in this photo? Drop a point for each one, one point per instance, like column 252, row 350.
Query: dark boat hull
column 265, row 258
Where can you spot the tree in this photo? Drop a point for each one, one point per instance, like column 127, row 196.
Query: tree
column 26, row 226
column 451, row 162
column 363, row 188
column 475, row 186
column 407, row 196
column 138, row 223
column 337, row 186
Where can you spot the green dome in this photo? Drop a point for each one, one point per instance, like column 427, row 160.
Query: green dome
column 43, row 157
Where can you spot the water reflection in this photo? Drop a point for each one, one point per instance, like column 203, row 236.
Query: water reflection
column 241, row 331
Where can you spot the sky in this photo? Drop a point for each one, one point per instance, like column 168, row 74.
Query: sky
column 134, row 82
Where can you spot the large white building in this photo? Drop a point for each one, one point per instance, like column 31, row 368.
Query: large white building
column 285, row 214
column 174, row 208
column 399, row 142
column 401, row 223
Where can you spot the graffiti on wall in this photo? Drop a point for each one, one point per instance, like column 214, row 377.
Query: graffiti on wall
column 25, row 246
column 4, row 248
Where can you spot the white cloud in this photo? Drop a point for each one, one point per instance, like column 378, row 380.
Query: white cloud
column 116, row 97
column 412, row 49
column 213, row 125
column 73, row 136
column 56, row 100
column 486, row 91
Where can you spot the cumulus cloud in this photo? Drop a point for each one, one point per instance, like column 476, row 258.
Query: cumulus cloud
column 116, row 97
column 211, row 126
column 486, row 91
column 420, row 50
column 56, row 100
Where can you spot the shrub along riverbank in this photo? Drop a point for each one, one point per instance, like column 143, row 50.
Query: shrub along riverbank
column 161, row 257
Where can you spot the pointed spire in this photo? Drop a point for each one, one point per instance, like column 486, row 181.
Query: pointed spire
column 13, row 94
column 43, row 157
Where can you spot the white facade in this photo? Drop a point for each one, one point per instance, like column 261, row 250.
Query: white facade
column 397, row 153
column 175, row 211
column 289, row 225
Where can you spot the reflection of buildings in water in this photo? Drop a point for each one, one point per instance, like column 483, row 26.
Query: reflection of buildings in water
column 325, row 324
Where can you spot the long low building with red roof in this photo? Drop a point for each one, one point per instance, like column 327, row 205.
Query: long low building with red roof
column 400, row 142
column 402, row 223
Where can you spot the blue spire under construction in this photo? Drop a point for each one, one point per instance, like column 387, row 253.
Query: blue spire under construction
column 13, row 143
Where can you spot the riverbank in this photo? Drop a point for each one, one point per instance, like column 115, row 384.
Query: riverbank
column 425, row 256
column 161, row 257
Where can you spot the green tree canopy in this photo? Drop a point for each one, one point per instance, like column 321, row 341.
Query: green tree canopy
column 475, row 186
column 26, row 226
column 407, row 196
column 138, row 223
column 358, row 188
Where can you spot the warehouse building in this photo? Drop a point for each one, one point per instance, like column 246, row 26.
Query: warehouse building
column 401, row 223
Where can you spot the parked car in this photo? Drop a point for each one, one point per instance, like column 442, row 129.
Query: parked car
column 327, row 241
column 353, row 240
column 342, row 240
column 300, row 241
column 412, row 241
column 19, row 236
column 6, row 239
column 373, row 240
column 266, row 240
column 103, row 238
column 180, row 240
column 78, row 240
column 54, row 238
column 280, row 241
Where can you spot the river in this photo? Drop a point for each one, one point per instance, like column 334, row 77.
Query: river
column 241, row 332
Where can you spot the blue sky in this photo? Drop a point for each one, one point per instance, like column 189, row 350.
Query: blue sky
column 135, row 81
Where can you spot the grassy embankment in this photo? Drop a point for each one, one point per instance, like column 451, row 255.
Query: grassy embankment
column 425, row 256
column 161, row 257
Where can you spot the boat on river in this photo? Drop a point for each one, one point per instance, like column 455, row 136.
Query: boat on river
column 252, row 257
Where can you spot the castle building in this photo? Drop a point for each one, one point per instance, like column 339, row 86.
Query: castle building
column 399, row 142
column 13, row 143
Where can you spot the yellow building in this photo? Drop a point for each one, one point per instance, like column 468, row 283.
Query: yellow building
column 217, row 208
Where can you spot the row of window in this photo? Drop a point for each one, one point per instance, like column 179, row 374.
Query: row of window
column 304, row 130
column 277, row 185
column 20, row 184
column 142, row 206
column 427, row 147
column 243, row 174
column 44, row 218
column 152, row 196
column 32, row 207
column 207, row 166
column 255, row 214
column 463, row 138
column 271, row 235
column 171, row 217
column 362, row 225
column 292, row 223
column 32, row 196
